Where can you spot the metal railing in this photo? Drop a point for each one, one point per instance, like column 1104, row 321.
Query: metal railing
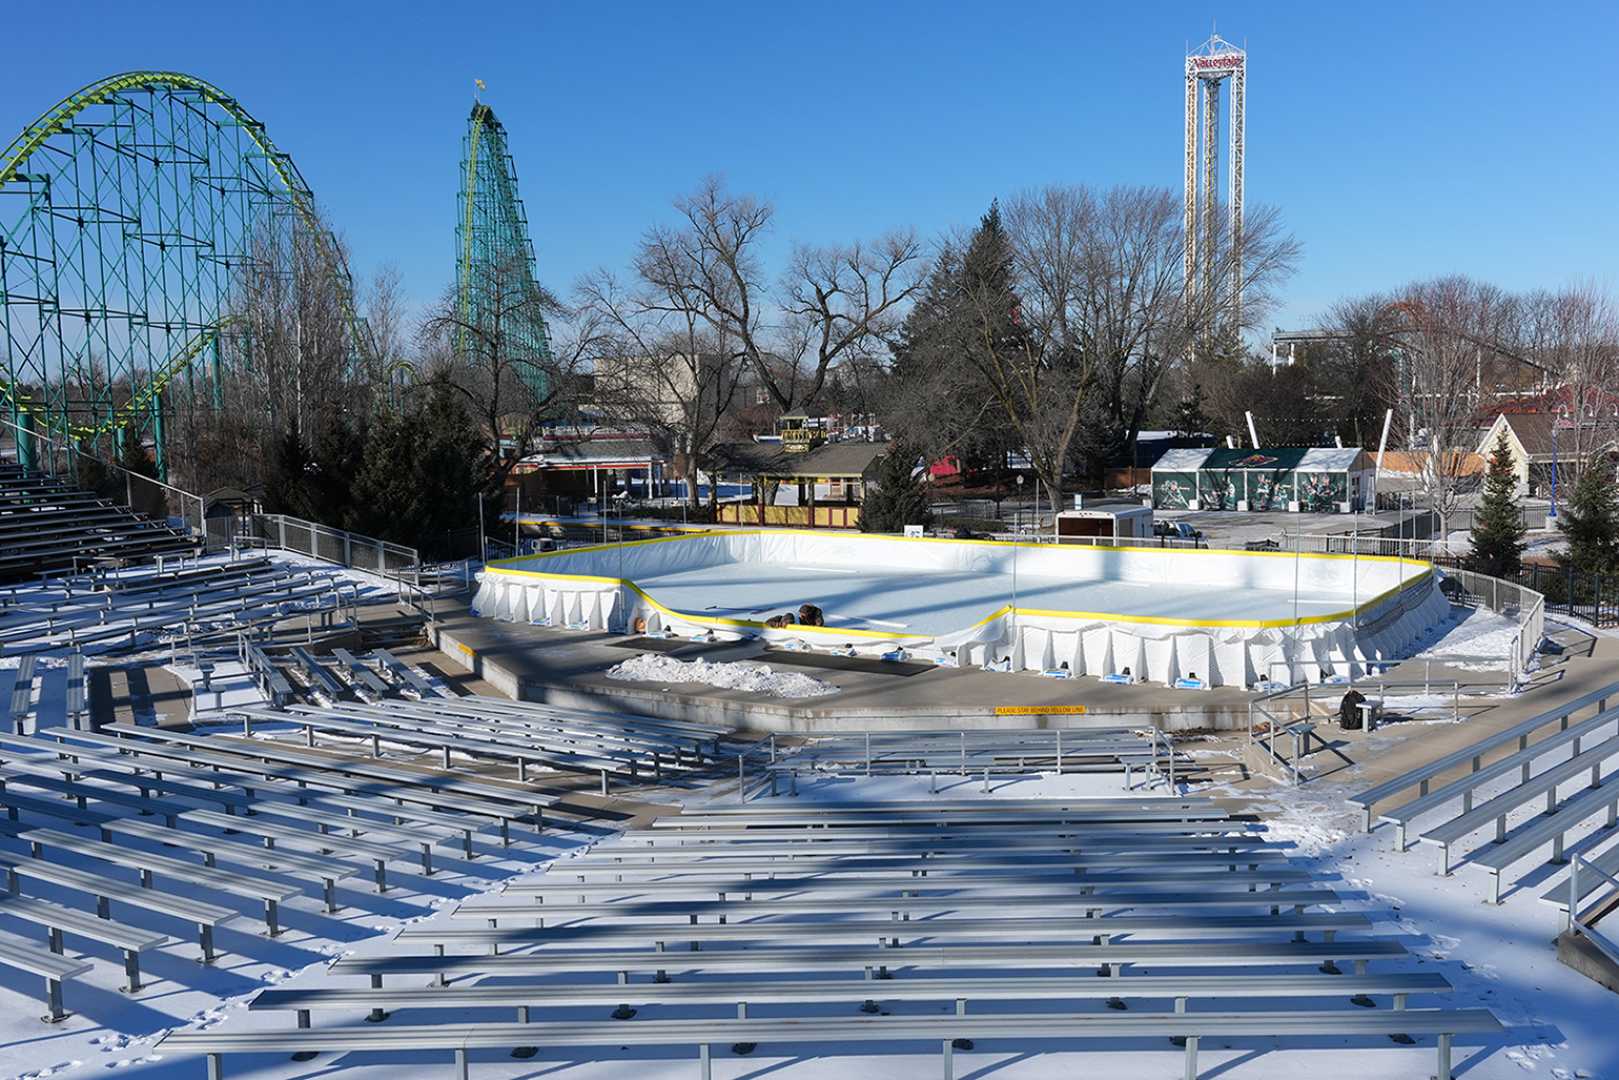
column 60, row 458
column 327, row 544
column 1293, row 711
column 1576, row 922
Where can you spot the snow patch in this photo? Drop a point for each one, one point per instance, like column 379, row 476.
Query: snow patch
column 746, row 675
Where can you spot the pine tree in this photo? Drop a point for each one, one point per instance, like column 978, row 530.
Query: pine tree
column 1498, row 528
column 895, row 498
column 1190, row 419
column 146, row 499
column 1591, row 523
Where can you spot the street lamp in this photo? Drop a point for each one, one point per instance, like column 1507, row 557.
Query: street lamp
column 1551, row 511
column 1015, row 545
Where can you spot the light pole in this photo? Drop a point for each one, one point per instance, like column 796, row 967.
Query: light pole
column 1551, row 511
column 1014, row 570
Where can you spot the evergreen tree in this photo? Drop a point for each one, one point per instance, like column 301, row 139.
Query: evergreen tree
column 421, row 473
column 146, row 499
column 1498, row 528
column 286, row 480
column 895, row 498
column 936, row 399
column 1591, row 522
column 1190, row 419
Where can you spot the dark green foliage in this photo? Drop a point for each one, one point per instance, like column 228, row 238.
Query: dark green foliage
column 97, row 476
column 1591, row 522
column 143, row 498
column 895, row 496
column 1498, row 527
column 286, row 484
column 937, row 398
column 421, row 473
column 1190, row 419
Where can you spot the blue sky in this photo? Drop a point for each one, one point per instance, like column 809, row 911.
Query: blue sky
column 1399, row 140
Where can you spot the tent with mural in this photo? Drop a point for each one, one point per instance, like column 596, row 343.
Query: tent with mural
column 1298, row 478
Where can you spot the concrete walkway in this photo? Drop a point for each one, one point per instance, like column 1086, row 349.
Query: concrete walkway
column 1592, row 664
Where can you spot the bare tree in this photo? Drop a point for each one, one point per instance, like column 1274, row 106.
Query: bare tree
column 1099, row 310
column 1573, row 334
column 660, row 364
column 834, row 303
column 1446, row 329
column 502, row 357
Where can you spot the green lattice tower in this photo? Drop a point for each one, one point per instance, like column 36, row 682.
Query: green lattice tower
column 493, row 251
column 129, row 214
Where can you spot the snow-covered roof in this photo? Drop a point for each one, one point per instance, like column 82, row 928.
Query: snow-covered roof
column 1333, row 459
column 1181, row 460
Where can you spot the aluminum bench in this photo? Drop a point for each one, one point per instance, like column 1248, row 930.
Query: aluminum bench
column 876, row 959
column 808, row 837
column 304, row 839
column 1496, row 809
column 54, row 969
column 402, row 673
column 1522, row 762
column 326, row 820
column 1421, row 776
column 1547, row 827
column 320, row 678
column 392, row 777
column 445, row 741
column 639, row 867
column 570, row 740
column 493, row 907
column 524, row 997
column 806, row 933
column 272, row 894
column 63, row 778
column 1444, row 1024
column 362, row 676
column 241, row 851
column 130, row 941
column 490, row 715
column 245, row 773
column 21, row 698
column 1051, row 880
column 203, row 916
column 82, row 793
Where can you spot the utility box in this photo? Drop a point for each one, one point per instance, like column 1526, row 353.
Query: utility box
column 1104, row 524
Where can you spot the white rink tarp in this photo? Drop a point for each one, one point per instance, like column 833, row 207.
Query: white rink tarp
column 1156, row 614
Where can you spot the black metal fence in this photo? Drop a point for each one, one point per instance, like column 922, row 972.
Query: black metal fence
column 1592, row 597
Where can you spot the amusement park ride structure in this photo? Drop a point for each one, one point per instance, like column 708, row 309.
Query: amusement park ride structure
column 495, row 266
column 135, row 213
column 130, row 214
column 1209, row 66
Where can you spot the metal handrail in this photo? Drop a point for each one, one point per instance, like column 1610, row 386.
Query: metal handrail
column 130, row 476
column 1576, row 925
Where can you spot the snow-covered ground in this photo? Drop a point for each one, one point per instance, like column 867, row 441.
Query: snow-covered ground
column 749, row 675
column 1561, row 1026
column 1475, row 639
column 111, row 1030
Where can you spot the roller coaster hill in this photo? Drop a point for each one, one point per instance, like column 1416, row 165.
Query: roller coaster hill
column 164, row 274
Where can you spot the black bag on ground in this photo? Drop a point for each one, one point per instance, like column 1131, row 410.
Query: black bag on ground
column 1349, row 714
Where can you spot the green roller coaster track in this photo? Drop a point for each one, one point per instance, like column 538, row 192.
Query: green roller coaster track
column 495, row 266
column 128, row 213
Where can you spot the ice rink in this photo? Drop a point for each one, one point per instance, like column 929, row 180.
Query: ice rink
column 937, row 602
column 1164, row 614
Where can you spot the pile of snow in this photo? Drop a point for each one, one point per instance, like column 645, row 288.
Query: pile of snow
column 755, row 678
